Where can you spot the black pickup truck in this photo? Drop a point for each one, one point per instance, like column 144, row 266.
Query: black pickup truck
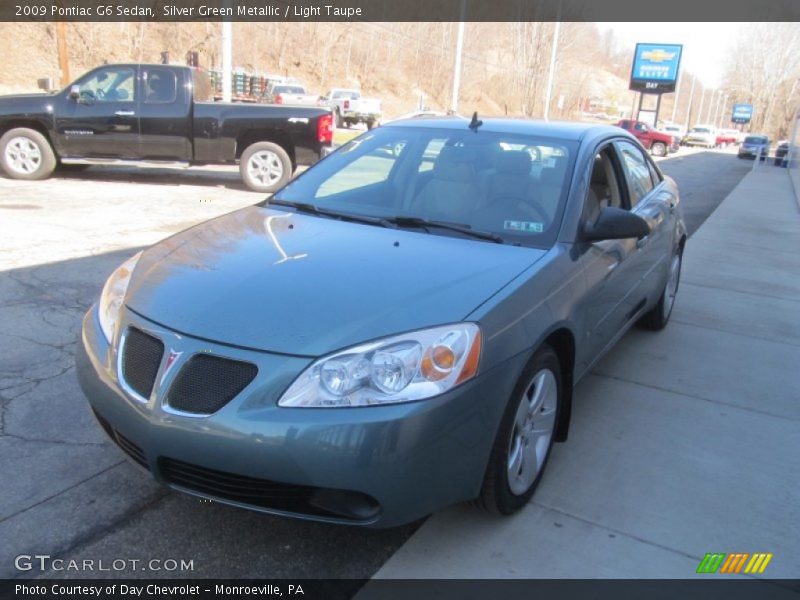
column 163, row 114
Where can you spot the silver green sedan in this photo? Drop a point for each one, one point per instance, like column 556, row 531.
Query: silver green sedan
column 398, row 329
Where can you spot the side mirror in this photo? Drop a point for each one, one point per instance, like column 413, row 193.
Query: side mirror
column 74, row 92
column 616, row 224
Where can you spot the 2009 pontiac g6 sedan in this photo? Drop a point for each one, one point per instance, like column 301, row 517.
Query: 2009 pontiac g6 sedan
column 398, row 329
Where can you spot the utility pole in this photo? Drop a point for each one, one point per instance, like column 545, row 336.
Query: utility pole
column 457, row 66
column 702, row 102
column 63, row 56
column 691, row 99
column 227, row 60
column 722, row 112
column 675, row 100
column 552, row 74
column 716, row 109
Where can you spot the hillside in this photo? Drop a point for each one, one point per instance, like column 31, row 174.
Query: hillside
column 504, row 70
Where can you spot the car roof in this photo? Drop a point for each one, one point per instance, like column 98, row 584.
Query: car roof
column 557, row 129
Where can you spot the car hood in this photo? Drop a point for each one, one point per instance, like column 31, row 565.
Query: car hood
column 303, row 285
column 24, row 102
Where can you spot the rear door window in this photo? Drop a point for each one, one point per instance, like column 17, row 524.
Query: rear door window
column 160, row 86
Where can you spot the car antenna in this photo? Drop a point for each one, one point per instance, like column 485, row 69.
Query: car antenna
column 475, row 123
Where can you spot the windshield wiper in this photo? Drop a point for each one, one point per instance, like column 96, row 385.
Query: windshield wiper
column 402, row 221
column 311, row 209
column 391, row 222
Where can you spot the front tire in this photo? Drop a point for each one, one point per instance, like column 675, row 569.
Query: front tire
column 265, row 167
column 338, row 119
column 658, row 317
column 525, row 438
column 26, row 154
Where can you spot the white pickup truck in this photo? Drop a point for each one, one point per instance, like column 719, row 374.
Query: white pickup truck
column 350, row 108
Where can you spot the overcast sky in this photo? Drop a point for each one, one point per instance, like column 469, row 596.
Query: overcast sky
column 705, row 45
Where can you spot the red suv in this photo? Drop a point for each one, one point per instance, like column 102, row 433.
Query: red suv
column 657, row 142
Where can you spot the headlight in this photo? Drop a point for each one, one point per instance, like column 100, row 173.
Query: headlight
column 113, row 295
column 401, row 368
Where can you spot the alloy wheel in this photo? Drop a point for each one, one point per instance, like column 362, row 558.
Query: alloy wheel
column 532, row 432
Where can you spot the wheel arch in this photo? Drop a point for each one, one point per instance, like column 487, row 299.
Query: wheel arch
column 276, row 136
column 33, row 124
column 562, row 341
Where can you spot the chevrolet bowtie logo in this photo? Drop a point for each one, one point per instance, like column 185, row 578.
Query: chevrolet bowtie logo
column 658, row 55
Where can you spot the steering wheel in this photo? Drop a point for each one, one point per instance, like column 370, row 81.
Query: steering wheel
column 100, row 94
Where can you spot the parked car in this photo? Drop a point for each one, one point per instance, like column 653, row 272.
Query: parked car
column 701, row 135
column 290, row 94
column 659, row 143
column 754, row 146
column 676, row 131
column 726, row 137
column 781, row 152
column 350, row 108
column 139, row 114
column 389, row 334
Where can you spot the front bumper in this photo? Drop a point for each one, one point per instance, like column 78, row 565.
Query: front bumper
column 698, row 142
column 408, row 460
column 752, row 152
column 350, row 114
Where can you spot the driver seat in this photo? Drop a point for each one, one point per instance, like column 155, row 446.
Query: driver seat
column 512, row 176
column 453, row 191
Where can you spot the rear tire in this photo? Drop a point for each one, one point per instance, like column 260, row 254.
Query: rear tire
column 26, row 154
column 265, row 167
column 338, row 119
column 525, row 437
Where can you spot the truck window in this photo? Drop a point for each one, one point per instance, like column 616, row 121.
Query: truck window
column 110, row 84
column 160, row 85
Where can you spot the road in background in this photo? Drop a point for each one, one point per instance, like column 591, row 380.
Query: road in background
column 59, row 240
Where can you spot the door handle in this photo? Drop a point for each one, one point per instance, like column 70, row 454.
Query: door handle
column 642, row 242
column 124, row 113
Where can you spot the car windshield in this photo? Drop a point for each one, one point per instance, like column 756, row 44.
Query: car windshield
column 508, row 185
column 701, row 130
column 755, row 139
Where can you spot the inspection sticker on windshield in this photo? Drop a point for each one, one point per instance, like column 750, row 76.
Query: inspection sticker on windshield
column 524, row 226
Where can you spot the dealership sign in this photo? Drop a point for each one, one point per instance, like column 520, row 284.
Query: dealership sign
column 655, row 68
column 742, row 113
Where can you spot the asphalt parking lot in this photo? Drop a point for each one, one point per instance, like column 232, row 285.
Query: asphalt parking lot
column 59, row 240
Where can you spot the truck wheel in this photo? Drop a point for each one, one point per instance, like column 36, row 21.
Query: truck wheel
column 26, row 154
column 658, row 149
column 339, row 120
column 372, row 123
column 265, row 167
